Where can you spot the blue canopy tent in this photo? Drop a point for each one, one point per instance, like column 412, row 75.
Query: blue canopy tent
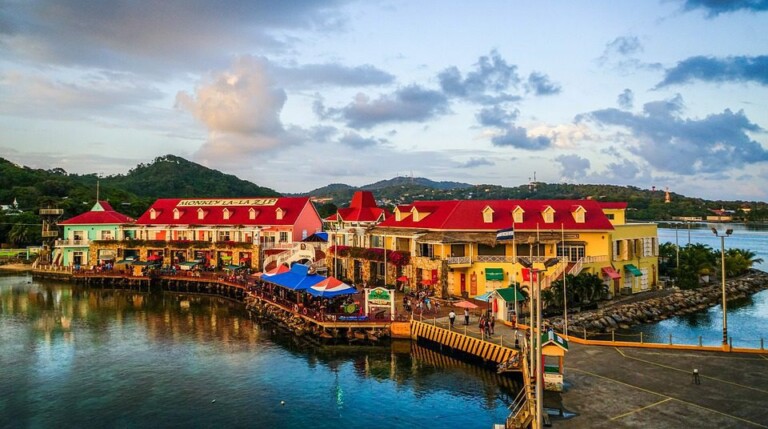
column 297, row 279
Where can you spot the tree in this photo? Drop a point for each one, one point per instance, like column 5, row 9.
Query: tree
column 696, row 260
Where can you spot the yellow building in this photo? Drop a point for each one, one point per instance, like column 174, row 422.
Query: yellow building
column 453, row 245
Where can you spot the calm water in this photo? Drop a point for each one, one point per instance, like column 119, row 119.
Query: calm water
column 71, row 357
column 747, row 318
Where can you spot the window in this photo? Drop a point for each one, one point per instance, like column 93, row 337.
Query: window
column 283, row 236
column 279, row 213
column 200, row 214
column 458, row 250
column 176, row 214
column 572, row 252
column 226, row 214
column 486, row 250
column 152, row 214
column 610, row 216
column 377, row 241
column 403, row 244
column 517, row 214
column 223, row 236
column 426, row 249
column 107, row 235
column 252, row 213
column 487, row 214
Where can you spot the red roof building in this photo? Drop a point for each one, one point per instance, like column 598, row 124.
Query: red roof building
column 101, row 213
column 223, row 231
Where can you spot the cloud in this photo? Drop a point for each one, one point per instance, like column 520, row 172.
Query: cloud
column 149, row 35
column 496, row 116
column 409, row 104
column 624, row 46
column 518, row 137
column 332, row 74
column 686, row 146
column 626, row 99
column 709, row 69
column 240, row 108
column 476, row 162
column 539, row 84
column 716, row 7
column 356, row 141
column 573, row 166
column 487, row 83
column 88, row 95
column 563, row 135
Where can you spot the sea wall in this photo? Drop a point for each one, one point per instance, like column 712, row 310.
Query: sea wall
column 653, row 309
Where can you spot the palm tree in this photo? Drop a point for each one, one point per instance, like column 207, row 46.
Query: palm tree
column 696, row 260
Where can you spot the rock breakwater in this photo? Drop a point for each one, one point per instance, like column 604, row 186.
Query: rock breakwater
column 675, row 302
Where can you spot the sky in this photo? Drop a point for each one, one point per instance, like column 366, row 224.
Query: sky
column 295, row 95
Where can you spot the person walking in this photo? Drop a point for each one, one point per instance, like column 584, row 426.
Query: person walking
column 481, row 325
column 451, row 318
column 492, row 324
column 466, row 316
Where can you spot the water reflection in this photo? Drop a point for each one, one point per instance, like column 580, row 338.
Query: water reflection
column 118, row 358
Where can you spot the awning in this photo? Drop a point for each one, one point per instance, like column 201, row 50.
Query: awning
column 484, row 297
column 494, row 274
column 233, row 267
column 633, row 269
column 146, row 263
column 610, row 272
column 511, row 294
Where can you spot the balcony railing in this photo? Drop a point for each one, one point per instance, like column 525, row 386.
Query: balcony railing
column 65, row 243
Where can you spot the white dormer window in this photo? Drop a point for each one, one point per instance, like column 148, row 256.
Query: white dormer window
column 578, row 213
column 548, row 214
column 226, row 214
column 152, row 214
column 415, row 214
column 252, row 213
column 200, row 214
column 487, row 214
column 279, row 213
column 517, row 215
column 398, row 214
column 176, row 214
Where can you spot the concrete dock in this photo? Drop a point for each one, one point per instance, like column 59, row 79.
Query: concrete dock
column 615, row 387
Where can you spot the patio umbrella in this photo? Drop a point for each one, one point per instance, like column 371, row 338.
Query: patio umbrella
column 426, row 282
column 402, row 279
column 464, row 304
column 330, row 287
column 275, row 271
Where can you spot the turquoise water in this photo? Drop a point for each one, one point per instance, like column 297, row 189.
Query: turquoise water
column 93, row 358
column 747, row 318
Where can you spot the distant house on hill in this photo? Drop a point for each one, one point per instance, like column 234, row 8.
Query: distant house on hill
column 10, row 209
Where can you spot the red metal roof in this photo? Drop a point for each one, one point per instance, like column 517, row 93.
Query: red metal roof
column 213, row 210
column 101, row 213
column 362, row 208
column 468, row 215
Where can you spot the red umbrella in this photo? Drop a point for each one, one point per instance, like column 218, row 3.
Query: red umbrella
column 426, row 282
column 464, row 304
column 153, row 257
column 402, row 279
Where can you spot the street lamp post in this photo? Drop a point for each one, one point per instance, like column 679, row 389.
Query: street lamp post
column 538, row 365
column 728, row 232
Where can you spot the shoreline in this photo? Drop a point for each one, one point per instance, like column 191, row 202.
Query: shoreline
column 16, row 267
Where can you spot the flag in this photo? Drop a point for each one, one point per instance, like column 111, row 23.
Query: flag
column 527, row 275
column 505, row 234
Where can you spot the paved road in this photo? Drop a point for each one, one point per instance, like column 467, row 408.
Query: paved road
column 612, row 387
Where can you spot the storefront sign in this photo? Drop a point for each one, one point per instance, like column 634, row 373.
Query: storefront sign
column 228, row 202
column 379, row 296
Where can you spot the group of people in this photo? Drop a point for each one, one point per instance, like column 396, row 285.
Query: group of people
column 420, row 302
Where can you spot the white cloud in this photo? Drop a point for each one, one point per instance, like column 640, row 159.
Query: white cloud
column 240, row 108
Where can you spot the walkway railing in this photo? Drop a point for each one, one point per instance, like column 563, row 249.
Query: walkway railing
column 640, row 339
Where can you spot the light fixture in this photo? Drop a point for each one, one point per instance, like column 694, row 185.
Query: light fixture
column 524, row 262
column 728, row 231
column 551, row 261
